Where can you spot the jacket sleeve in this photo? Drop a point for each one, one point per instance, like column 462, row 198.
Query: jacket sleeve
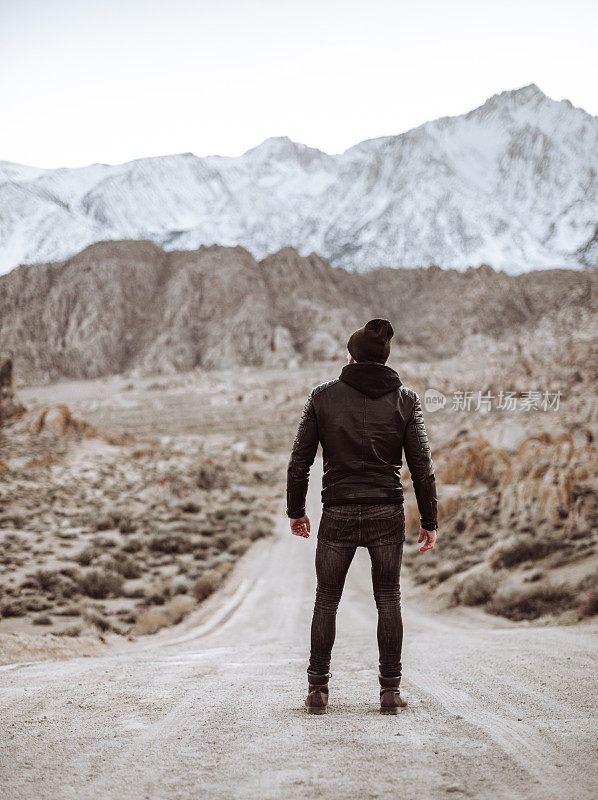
column 421, row 467
column 302, row 457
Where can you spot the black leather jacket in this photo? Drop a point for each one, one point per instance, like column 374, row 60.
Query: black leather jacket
column 364, row 419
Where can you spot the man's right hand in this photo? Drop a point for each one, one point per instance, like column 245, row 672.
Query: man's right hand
column 429, row 536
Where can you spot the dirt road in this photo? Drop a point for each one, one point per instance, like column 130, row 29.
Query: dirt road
column 215, row 708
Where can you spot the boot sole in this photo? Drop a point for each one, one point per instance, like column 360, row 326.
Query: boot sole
column 394, row 710
column 316, row 710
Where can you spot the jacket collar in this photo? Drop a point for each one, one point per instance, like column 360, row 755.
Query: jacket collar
column 370, row 377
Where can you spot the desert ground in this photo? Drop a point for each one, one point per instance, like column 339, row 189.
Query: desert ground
column 214, row 707
column 155, row 608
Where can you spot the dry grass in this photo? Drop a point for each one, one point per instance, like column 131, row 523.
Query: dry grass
column 476, row 588
column 42, row 619
column 468, row 460
column 97, row 620
column 13, row 608
column 239, row 546
column 532, row 602
column 411, row 515
column 43, row 461
column 207, row 583
column 589, row 605
column 504, row 509
column 154, row 619
column 178, row 608
column 71, row 630
column 143, row 452
column 517, row 549
column 99, row 583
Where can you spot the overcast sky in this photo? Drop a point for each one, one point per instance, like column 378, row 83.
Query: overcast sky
column 110, row 80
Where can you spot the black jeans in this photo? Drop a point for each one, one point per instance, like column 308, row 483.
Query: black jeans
column 381, row 528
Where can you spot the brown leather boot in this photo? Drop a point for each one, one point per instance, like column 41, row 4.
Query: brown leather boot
column 316, row 701
column 390, row 697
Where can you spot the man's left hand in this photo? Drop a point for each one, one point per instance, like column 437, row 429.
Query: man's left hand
column 301, row 527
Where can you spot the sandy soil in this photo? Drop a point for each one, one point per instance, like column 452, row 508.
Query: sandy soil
column 214, row 706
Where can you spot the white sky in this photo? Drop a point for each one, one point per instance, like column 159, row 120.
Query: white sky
column 111, row 80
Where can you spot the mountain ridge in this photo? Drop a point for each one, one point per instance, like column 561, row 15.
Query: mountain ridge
column 512, row 183
column 131, row 306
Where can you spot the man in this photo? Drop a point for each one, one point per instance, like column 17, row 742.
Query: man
column 364, row 419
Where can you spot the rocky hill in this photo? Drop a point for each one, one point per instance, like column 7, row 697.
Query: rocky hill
column 512, row 183
column 121, row 306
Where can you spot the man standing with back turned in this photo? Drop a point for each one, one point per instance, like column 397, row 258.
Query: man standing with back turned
column 364, row 419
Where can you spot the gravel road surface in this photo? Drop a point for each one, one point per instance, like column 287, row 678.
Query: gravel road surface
column 214, row 708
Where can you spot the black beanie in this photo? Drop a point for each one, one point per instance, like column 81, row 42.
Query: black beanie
column 372, row 342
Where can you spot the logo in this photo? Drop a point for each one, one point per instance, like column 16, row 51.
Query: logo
column 434, row 400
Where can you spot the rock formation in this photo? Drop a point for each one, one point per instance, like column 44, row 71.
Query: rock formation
column 123, row 306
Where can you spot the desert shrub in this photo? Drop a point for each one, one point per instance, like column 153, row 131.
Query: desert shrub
column 71, row 630
column 589, row 605
column 46, row 579
column 211, row 476
column 134, row 592
column 240, row 546
column 170, row 543
column 128, row 567
column 42, row 619
column 589, row 581
column 516, row 549
column 104, row 542
column 71, row 610
column 127, row 525
column 98, row 620
column 224, row 566
column 28, row 583
column 66, row 587
column 206, row 584
column 153, row 619
column 447, row 506
column 446, row 570
column 532, row 602
column 99, row 583
column 469, row 459
column 86, row 556
column 17, row 520
column 69, row 572
column 534, row 575
column 133, row 545
column 190, row 507
column 178, row 608
column 36, row 603
column 259, row 532
column 150, row 621
column 142, row 452
column 179, row 584
column 223, row 540
column 476, row 588
column 13, row 608
column 159, row 597
column 460, row 525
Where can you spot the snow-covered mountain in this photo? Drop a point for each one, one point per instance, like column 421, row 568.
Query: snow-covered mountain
column 512, row 183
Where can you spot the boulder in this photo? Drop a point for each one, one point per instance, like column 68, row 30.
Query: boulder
column 10, row 406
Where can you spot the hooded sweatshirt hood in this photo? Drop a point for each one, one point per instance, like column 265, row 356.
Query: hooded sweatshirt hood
column 370, row 377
